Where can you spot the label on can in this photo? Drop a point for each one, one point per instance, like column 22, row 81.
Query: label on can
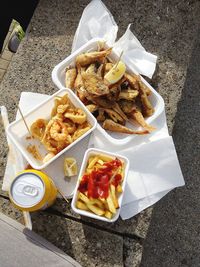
column 27, row 190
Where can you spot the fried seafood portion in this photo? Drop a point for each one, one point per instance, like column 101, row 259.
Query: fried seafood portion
column 148, row 110
column 138, row 117
column 129, row 94
column 81, row 129
column 111, row 93
column 76, row 115
column 67, row 123
column 38, row 128
column 94, row 84
column 32, row 149
column 70, row 77
column 116, row 127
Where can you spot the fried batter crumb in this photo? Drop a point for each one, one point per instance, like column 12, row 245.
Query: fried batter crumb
column 34, row 151
column 29, row 137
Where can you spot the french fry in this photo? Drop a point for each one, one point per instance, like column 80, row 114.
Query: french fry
column 83, row 197
column 95, row 209
column 90, row 159
column 114, row 197
column 80, row 205
column 106, row 205
column 89, row 170
column 108, row 214
column 105, row 158
column 119, row 189
column 110, row 203
column 122, row 171
column 97, row 202
column 100, row 161
column 103, row 200
column 92, row 163
column 98, row 166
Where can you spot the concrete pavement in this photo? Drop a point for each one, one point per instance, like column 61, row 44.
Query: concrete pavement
column 168, row 235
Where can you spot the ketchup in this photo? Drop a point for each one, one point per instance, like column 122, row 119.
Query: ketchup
column 97, row 182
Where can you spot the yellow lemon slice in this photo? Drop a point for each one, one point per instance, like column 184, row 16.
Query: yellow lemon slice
column 116, row 73
column 70, row 167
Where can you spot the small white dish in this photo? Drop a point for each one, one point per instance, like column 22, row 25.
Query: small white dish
column 91, row 152
column 18, row 133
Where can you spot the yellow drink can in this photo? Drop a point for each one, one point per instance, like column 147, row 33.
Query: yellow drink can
column 32, row 190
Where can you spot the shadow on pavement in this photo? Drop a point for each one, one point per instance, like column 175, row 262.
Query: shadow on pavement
column 174, row 234
column 54, row 229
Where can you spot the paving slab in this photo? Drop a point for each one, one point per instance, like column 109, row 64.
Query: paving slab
column 8, row 209
column 175, row 240
column 137, row 226
column 3, row 148
column 7, row 55
column 108, row 246
column 132, row 253
column 2, row 192
column 87, row 245
column 2, row 72
column 4, row 63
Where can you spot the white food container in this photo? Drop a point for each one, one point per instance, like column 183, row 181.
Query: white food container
column 18, row 132
column 58, row 77
column 93, row 152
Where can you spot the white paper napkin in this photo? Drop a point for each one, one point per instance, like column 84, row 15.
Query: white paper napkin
column 97, row 21
column 134, row 54
column 131, row 209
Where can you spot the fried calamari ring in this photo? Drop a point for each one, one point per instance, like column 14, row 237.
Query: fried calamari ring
column 71, row 126
column 38, row 128
column 76, row 115
column 81, row 130
column 62, row 108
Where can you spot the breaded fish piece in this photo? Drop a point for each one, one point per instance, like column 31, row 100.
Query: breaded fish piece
column 94, row 84
column 90, row 57
column 116, row 127
column 70, row 77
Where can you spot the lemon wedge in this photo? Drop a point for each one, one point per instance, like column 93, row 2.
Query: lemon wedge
column 116, row 73
column 70, row 167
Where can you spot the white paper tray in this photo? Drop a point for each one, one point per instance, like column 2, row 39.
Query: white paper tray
column 17, row 131
column 93, row 152
column 58, row 77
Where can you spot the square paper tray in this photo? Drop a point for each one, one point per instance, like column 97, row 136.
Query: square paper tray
column 18, row 132
column 94, row 152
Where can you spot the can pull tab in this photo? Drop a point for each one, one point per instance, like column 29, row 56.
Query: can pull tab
column 28, row 190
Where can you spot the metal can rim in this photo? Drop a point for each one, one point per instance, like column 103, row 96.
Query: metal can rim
column 17, row 177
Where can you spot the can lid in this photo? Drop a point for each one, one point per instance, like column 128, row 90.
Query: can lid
column 27, row 189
